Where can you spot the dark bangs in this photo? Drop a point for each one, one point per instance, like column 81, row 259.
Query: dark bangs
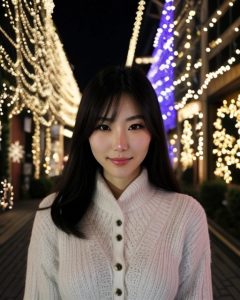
column 100, row 96
column 110, row 104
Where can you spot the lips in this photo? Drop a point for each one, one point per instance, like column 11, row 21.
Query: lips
column 120, row 161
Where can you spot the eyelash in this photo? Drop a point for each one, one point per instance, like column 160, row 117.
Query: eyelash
column 136, row 126
column 104, row 127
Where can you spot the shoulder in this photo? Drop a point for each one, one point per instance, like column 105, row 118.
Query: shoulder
column 182, row 206
column 48, row 201
column 193, row 209
column 194, row 217
column 44, row 231
column 190, row 203
column 179, row 199
column 43, row 219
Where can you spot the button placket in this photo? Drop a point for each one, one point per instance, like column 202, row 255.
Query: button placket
column 118, row 259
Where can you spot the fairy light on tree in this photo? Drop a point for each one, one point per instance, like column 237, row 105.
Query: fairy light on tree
column 199, row 136
column 187, row 153
column 6, row 195
column 227, row 146
column 173, row 150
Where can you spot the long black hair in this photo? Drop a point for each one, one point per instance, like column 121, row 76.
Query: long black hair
column 78, row 181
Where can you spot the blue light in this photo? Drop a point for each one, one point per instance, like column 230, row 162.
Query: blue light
column 161, row 72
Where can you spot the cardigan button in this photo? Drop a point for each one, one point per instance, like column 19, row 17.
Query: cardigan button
column 119, row 237
column 118, row 292
column 119, row 222
column 118, row 267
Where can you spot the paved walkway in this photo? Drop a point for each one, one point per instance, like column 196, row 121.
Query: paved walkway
column 225, row 273
column 15, row 230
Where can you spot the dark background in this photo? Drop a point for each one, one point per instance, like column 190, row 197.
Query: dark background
column 96, row 33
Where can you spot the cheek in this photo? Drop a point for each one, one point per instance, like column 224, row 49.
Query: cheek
column 142, row 143
column 97, row 143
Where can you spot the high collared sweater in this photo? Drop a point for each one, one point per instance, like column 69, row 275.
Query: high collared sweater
column 147, row 245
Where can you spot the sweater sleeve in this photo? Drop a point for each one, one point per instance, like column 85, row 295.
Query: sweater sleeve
column 195, row 268
column 42, row 260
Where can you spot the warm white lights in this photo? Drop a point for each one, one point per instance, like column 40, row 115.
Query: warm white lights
column 191, row 150
column 42, row 81
column 173, row 142
column 145, row 60
column 6, row 195
column 135, row 34
column 187, row 153
column 16, row 152
column 41, row 74
column 227, row 146
column 191, row 14
column 192, row 94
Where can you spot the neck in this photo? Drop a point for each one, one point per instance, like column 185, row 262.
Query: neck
column 114, row 189
column 118, row 185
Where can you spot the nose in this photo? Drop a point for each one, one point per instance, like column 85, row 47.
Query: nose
column 120, row 141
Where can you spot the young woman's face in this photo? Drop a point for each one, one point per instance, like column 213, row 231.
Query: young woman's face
column 120, row 145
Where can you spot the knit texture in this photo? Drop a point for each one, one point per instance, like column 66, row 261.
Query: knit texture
column 158, row 249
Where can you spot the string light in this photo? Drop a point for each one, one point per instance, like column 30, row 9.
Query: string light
column 135, row 34
column 191, row 150
column 49, row 6
column 184, row 78
column 36, row 151
column 6, row 195
column 218, row 14
column 48, row 145
column 145, row 60
column 199, row 135
column 187, row 153
column 227, row 146
column 40, row 73
column 190, row 16
column 173, row 149
column 161, row 72
column 192, row 94
column 42, row 81
column 214, row 19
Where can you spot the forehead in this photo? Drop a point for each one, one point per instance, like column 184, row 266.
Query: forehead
column 125, row 104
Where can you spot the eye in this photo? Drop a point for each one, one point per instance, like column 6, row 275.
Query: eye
column 136, row 127
column 103, row 127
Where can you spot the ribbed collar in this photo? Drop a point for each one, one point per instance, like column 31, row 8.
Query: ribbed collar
column 135, row 195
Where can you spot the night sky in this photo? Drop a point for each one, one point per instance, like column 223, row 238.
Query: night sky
column 94, row 33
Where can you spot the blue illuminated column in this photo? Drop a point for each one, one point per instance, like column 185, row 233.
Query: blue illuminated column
column 161, row 72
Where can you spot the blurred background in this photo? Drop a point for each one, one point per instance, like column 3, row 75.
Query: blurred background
column 189, row 50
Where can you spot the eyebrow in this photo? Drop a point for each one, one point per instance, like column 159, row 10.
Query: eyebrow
column 135, row 117
column 111, row 119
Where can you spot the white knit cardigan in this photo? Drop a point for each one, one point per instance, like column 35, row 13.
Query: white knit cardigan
column 149, row 244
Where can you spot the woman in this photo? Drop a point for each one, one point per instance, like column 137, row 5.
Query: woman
column 117, row 227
